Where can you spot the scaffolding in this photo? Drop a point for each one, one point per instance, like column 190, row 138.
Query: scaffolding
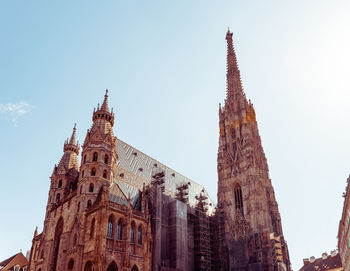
column 182, row 192
column 202, row 251
column 219, row 251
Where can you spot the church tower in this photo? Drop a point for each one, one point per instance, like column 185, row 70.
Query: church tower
column 98, row 155
column 253, row 231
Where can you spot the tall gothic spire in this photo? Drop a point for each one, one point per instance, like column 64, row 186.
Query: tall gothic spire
column 233, row 77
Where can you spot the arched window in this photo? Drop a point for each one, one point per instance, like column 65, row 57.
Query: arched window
column 120, row 230
column 88, row 266
column 94, row 157
column 59, row 183
column 70, row 264
column 139, row 235
column 84, row 158
column 134, row 268
column 110, row 227
column 58, row 197
column 81, row 189
column 238, row 198
column 92, row 229
column 89, row 203
column 56, row 243
column 91, row 188
column 112, row 267
column 105, row 174
column 132, row 233
column 106, row 159
column 93, row 172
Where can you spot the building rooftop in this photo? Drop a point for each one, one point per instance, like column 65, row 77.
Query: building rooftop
column 326, row 262
column 134, row 169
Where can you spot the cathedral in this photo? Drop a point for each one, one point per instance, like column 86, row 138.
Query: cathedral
column 119, row 209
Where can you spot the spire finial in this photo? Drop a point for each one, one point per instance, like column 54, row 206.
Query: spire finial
column 104, row 105
column 233, row 75
column 72, row 138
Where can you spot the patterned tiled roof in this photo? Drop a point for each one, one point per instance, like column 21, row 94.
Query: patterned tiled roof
column 329, row 262
column 134, row 168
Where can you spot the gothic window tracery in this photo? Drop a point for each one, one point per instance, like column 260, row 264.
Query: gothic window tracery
column 119, row 230
column 132, row 233
column 238, row 198
column 110, row 227
column 139, row 235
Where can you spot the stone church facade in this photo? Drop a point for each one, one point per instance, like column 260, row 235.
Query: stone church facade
column 120, row 209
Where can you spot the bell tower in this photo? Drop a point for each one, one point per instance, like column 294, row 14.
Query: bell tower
column 65, row 175
column 98, row 157
column 253, row 230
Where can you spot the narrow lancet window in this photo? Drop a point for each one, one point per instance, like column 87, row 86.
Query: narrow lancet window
column 95, row 156
column 110, row 227
column 119, row 230
column 238, row 198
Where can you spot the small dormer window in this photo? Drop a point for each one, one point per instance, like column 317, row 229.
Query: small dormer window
column 95, row 156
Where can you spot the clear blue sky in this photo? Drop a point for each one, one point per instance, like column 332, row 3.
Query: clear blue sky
column 164, row 64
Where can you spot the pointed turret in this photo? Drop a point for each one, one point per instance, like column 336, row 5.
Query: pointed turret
column 71, row 150
column 103, row 113
column 71, row 144
column 105, row 102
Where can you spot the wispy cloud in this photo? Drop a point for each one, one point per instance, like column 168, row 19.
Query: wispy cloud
column 13, row 111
